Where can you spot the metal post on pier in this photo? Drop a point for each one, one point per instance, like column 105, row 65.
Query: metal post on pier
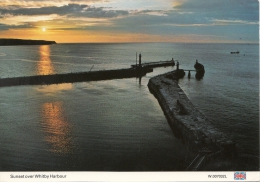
column 189, row 74
column 140, row 60
column 136, row 58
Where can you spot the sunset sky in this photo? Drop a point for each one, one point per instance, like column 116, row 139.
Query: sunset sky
column 228, row 21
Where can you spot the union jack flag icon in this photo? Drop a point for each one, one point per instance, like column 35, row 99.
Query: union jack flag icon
column 240, row 176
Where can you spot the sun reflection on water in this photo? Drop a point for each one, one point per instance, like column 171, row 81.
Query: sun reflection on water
column 57, row 128
column 45, row 65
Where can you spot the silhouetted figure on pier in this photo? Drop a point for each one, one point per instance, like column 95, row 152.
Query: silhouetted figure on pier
column 179, row 72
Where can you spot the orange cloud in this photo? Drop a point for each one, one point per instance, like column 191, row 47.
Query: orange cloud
column 37, row 4
column 77, row 36
column 177, row 3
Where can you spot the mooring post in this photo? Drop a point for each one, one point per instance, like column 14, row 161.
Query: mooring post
column 140, row 80
column 189, row 74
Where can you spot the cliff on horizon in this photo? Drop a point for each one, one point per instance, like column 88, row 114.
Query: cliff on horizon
column 7, row 42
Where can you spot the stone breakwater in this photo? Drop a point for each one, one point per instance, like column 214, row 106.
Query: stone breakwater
column 74, row 77
column 190, row 124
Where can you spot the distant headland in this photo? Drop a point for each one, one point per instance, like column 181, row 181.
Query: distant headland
column 10, row 42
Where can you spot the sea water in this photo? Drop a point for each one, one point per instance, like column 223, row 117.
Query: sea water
column 118, row 125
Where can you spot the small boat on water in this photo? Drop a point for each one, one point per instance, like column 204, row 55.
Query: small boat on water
column 237, row 52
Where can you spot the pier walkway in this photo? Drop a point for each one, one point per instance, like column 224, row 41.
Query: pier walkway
column 190, row 124
column 74, row 77
column 137, row 70
column 155, row 64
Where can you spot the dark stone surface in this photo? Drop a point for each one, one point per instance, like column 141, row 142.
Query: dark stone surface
column 9, row 42
column 74, row 77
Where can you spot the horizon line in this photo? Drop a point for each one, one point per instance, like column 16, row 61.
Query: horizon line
column 142, row 42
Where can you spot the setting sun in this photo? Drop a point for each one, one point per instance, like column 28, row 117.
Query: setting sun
column 43, row 29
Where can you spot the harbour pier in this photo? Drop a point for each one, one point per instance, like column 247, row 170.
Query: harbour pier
column 155, row 64
column 73, row 77
column 134, row 71
column 187, row 122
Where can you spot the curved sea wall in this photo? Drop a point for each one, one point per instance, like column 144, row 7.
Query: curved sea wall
column 191, row 125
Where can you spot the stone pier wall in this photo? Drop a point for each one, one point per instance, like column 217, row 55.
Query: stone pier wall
column 73, row 77
column 185, row 119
